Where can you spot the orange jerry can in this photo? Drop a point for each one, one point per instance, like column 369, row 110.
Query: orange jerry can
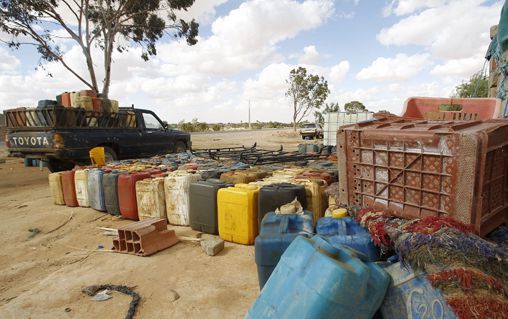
column 97, row 104
column 90, row 93
column 127, row 194
column 66, row 99
column 69, row 189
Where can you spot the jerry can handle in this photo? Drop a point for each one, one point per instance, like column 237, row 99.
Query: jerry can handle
column 284, row 223
column 341, row 227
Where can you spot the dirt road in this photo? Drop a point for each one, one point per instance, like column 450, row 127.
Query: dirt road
column 43, row 274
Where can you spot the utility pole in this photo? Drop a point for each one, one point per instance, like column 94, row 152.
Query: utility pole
column 249, row 116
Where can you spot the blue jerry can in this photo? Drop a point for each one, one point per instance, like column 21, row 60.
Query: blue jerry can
column 348, row 232
column 411, row 295
column 277, row 232
column 96, row 190
column 315, row 279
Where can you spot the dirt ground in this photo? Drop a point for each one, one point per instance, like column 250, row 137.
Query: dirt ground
column 42, row 274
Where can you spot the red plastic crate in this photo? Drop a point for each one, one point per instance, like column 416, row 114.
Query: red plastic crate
column 419, row 168
column 471, row 109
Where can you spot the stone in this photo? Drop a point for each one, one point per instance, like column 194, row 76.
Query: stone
column 212, row 246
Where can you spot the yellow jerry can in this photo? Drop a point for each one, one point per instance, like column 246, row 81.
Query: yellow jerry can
column 316, row 196
column 238, row 210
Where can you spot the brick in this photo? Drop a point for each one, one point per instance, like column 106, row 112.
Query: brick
column 212, row 246
column 144, row 238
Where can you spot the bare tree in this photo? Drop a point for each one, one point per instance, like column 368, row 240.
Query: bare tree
column 94, row 24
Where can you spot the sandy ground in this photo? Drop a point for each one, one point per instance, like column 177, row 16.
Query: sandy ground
column 266, row 139
column 42, row 276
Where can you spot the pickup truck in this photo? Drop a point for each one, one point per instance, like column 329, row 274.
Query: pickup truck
column 64, row 137
column 311, row 130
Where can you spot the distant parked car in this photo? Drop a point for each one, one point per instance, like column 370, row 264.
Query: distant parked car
column 311, row 130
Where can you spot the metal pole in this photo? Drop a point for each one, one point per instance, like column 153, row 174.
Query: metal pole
column 249, row 116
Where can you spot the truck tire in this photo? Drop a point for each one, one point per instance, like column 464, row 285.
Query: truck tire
column 56, row 165
column 109, row 154
column 180, row 147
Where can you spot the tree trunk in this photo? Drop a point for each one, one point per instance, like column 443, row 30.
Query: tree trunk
column 107, row 68
column 294, row 114
column 91, row 69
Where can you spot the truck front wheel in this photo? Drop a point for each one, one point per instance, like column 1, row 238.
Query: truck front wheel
column 56, row 165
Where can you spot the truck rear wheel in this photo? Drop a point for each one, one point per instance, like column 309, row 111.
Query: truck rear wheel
column 180, row 147
column 56, row 165
column 109, row 154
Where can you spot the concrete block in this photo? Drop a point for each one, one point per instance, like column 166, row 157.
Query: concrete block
column 212, row 246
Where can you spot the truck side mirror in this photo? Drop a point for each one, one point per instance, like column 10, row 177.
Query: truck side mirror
column 165, row 124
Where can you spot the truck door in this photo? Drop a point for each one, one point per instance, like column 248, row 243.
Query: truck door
column 155, row 138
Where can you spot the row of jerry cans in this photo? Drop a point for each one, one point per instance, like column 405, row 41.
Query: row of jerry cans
column 136, row 195
column 234, row 212
column 85, row 99
column 279, row 230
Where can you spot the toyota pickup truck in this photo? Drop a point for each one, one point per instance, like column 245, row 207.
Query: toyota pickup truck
column 64, row 137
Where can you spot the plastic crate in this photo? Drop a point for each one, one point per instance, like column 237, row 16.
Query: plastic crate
column 419, row 168
column 466, row 109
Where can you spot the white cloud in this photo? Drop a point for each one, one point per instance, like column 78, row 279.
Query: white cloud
column 203, row 11
column 455, row 30
column 401, row 67
column 403, row 7
column 339, row 71
column 310, row 55
column 459, row 67
column 8, row 62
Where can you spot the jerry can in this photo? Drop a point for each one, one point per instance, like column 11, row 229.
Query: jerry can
column 176, row 189
column 316, row 280
column 114, row 106
column 150, row 198
column 203, row 205
column 237, row 213
column 127, row 194
column 96, row 189
column 65, row 99
column 87, row 93
column 239, row 177
column 74, row 96
column 81, row 184
column 313, row 175
column 273, row 196
column 316, row 196
column 69, row 189
column 85, row 102
column 55, row 188
column 110, row 185
column 348, row 232
column 97, row 104
column 411, row 295
column 276, row 233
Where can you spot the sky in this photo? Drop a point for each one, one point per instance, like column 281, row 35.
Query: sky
column 378, row 52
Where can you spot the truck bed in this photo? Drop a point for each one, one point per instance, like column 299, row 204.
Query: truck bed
column 37, row 119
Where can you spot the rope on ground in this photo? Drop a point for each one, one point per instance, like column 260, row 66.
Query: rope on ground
column 62, row 225
column 92, row 290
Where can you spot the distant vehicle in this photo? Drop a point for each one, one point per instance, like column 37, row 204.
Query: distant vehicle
column 311, row 131
column 64, row 136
